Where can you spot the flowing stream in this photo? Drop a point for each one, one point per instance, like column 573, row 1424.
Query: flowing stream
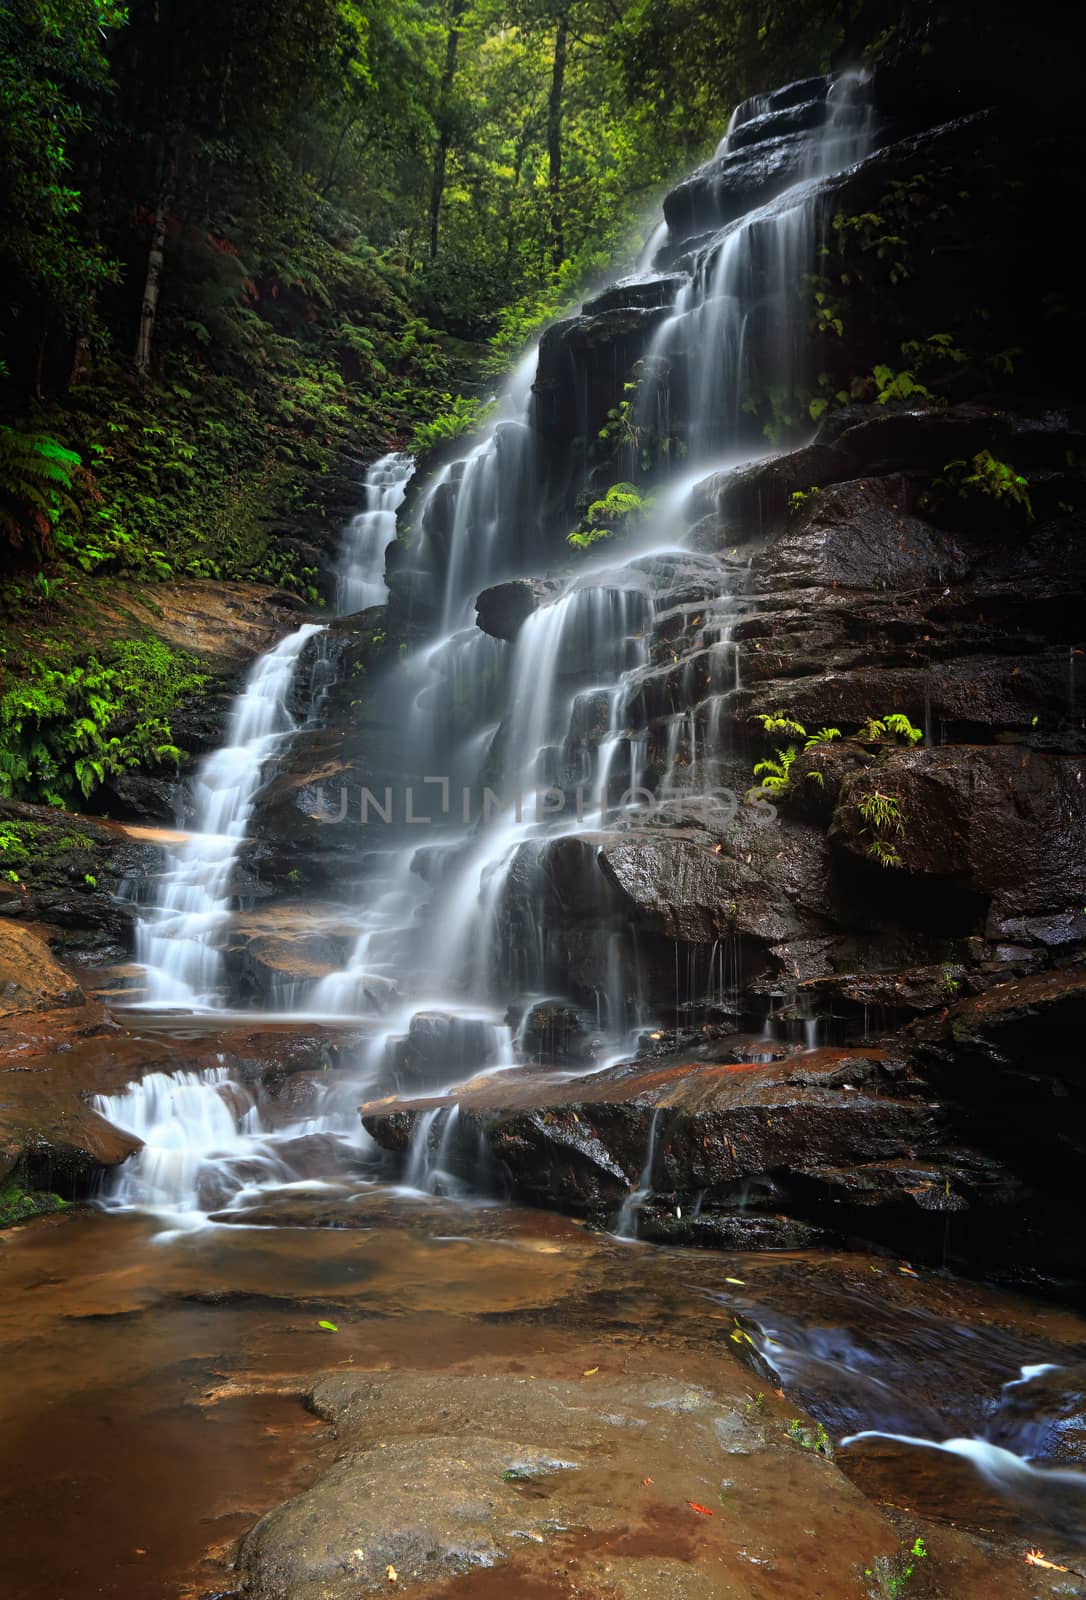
column 517, row 745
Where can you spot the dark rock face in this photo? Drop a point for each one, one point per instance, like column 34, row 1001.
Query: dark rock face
column 501, row 611
column 1005, row 822
column 817, row 1145
column 74, row 880
column 735, row 183
column 579, row 362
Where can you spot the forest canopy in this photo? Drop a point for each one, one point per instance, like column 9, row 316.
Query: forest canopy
column 239, row 239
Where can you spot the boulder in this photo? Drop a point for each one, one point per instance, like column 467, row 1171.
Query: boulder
column 1002, row 821
column 30, row 979
column 502, row 609
column 448, row 1482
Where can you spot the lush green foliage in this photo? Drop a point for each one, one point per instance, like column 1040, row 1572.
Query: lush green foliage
column 986, row 478
column 890, row 1577
column 883, row 826
column 65, row 731
column 775, row 772
column 23, row 843
column 463, row 414
column 17, row 1203
column 614, row 512
column 38, row 479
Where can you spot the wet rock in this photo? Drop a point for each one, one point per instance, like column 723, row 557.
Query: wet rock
column 439, row 1475
column 30, row 979
column 772, row 122
column 74, row 878
column 868, row 442
column 1003, row 822
column 270, row 953
column 557, row 1033
column 862, row 534
column 443, row 1047
column 977, row 694
column 735, row 183
column 503, row 609
column 582, row 361
column 803, row 91
column 647, row 291
column 709, row 1127
column 914, row 990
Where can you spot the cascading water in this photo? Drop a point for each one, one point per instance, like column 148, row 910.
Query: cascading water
column 361, row 577
column 178, row 936
column 546, row 735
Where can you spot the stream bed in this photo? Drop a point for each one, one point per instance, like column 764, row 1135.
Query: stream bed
column 160, row 1410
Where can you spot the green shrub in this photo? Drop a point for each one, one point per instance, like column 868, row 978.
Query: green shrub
column 621, row 504
column 63, row 732
column 39, row 478
column 988, row 478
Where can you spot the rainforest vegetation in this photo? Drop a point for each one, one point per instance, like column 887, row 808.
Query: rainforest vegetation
column 246, row 247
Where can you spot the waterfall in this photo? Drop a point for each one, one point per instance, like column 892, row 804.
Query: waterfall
column 519, row 745
column 360, row 579
column 627, row 1225
column 548, row 730
column 177, row 936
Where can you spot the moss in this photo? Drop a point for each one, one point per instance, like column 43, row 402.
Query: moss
column 17, row 1203
column 29, row 847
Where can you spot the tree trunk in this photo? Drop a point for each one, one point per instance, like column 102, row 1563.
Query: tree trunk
column 444, row 131
column 520, row 151
column 39, row 360
column 81, row 357
column 554, row 140
column 352, row 118
column 155, row 257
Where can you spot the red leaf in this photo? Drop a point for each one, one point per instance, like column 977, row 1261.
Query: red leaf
column 702, row 1511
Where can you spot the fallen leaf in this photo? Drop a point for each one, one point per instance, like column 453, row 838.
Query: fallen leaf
column 329, row 1327
column 591, row 1372
column 908, row 1272
column 645, row 1482
column 391, row 1574
column 1034, row 1558
column 702, row 1511
column 740, row 1281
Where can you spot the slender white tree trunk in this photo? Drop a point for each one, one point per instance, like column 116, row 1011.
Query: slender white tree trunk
column 152, row 283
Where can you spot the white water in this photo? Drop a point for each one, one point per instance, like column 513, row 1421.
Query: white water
column 465, row 936
column 361, row 577
column 178, row 937
column 628, row 1219
column 452, row 922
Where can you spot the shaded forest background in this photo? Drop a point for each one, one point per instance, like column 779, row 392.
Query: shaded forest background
column 246, row 248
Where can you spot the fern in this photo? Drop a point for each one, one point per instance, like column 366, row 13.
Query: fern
column 823, row 736
column 37, row 478
column 775, row 771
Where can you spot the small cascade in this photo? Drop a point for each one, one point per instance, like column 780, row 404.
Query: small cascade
column 861, row 1363
column 733, row 332
column 361, row 576
column 432, row 1140
column 177, row 937
column 210, row 1144
column 195, row 1126
column 476, row 517
column 628, row 1218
